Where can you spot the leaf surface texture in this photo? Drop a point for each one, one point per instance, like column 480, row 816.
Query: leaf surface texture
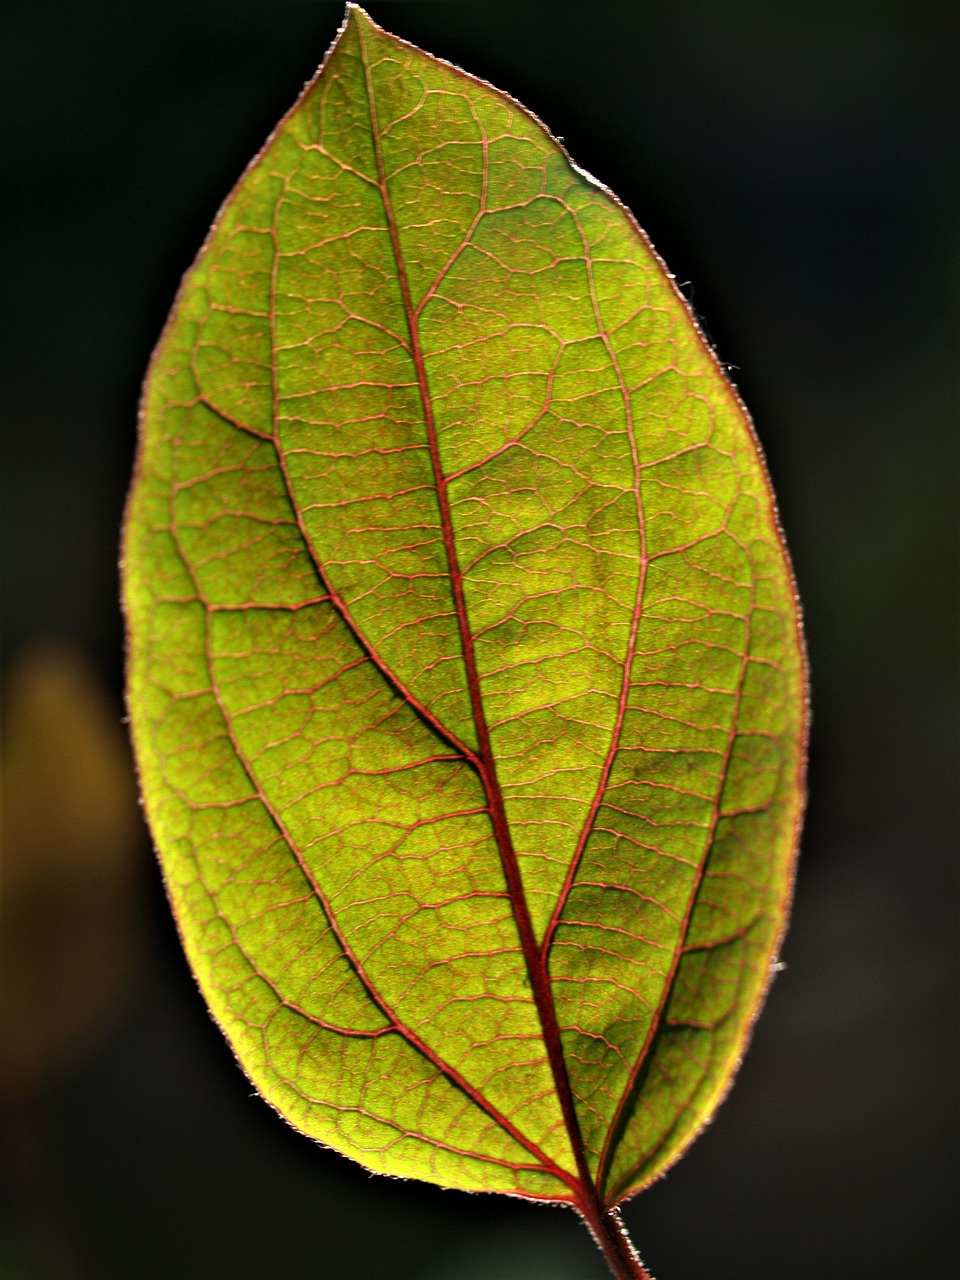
column 465, row 668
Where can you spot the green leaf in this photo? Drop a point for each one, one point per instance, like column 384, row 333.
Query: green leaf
column 465, row 668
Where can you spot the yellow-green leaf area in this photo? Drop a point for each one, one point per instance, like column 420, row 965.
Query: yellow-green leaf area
column 465, row 668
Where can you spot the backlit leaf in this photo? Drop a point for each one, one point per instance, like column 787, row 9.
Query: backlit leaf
column 465, row 669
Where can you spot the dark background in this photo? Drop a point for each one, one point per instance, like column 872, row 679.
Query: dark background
column 798, row 165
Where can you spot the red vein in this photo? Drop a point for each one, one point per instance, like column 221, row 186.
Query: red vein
column 614, row 1132
column 634, row 621
column 465, row 242
column 336, row 598
column 486, row 766
column 396, row 1024
column 229, row 419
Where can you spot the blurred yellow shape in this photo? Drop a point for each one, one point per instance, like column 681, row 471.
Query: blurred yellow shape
column 71, row 839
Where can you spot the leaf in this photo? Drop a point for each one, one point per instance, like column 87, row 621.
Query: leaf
column 465, row 667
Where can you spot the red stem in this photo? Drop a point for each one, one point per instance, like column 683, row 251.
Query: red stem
column 607, row 1229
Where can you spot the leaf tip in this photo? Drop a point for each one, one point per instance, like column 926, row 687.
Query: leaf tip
column 355, row 13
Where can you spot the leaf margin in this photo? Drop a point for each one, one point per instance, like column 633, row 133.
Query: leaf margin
column 747, row 1023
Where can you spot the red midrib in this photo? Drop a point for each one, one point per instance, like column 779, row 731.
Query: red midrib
column 536, row 967
column 396, row 1023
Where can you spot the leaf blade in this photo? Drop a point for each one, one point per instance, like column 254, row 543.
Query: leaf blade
column 440, row 449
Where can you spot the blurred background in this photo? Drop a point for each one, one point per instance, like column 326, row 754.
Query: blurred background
column 797, row 166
